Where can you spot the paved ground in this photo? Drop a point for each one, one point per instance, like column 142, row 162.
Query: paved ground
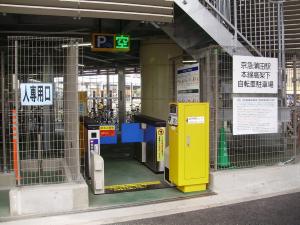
column 231, row 186
column 280, row 210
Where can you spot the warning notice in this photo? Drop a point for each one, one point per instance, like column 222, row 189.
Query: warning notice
column 255, row 115
column 107, row 131
column 160, row 143
column 255, row 74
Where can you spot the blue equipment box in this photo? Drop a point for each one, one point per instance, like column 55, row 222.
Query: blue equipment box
column 131, row 133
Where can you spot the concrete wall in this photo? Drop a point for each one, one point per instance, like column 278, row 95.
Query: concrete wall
column 47, row 199
column 158, row 76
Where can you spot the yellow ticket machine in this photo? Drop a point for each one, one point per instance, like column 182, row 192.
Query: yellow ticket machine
column 189, row 146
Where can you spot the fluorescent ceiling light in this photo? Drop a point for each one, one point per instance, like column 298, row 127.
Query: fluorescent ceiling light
column 79, row 45
column 189, row 61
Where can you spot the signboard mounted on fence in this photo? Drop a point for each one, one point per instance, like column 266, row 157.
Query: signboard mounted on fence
column 255, row 74
column 36, row 94
column 255, row 115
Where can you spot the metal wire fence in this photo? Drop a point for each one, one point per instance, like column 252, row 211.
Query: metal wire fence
column 42, row 109
column 258, row 25
column 240, row 151
column 293, row 94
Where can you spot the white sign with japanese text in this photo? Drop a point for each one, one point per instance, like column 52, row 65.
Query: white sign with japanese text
column 196, row 120
column 36, row 94
column 255, row 115
column 255, row 74
column 188, row 85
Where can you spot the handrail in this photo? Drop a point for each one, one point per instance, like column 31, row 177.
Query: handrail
column 233, row 27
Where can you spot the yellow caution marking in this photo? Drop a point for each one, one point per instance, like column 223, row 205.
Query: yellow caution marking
column 134, row 186
column 107, row 127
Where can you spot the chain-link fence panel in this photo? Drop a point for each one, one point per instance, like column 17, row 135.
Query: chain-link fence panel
column 42, row 109
column 239, row 151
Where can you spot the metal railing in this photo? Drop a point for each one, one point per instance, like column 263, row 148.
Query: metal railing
column 222, row 12
column 258, row 24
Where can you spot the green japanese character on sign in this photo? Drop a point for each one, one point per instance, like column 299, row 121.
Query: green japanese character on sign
column 122, row 41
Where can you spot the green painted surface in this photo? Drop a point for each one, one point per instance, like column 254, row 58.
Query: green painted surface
column 127, row 171
column 4, row 203
column 136, row 197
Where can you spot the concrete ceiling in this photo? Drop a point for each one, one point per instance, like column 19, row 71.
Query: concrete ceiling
column 23, row 25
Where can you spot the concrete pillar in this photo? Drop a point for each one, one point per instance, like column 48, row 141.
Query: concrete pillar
column 71, row 119
column 157, row 76
column 48, row 114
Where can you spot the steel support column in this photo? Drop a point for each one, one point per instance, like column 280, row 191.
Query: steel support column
column 122, row 96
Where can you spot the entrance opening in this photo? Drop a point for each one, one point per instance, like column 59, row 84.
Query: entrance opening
column 109, row 89
column 128, row 178
column 99, row 100
column 122, row 95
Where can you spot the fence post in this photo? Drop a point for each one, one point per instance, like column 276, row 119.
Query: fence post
column 295, row 105
column 15, row 121
column 216, row 95
column 3, row 112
